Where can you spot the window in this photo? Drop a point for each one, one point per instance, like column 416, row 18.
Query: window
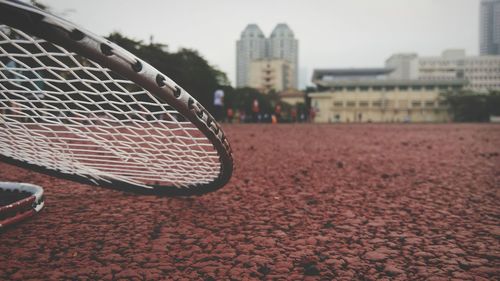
column 350, row 89
column 429, row 103
column 377, row 103
column 389, row 88
column 338, row 104
column 363, row 104
column 416, row 88
column 363, row 88
column 403, row 88
column 416, row 103
column 351, row 104
column 376, row 88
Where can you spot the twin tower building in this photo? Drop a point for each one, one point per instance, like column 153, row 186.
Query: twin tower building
column 267, row 63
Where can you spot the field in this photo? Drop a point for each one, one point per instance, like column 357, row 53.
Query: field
column 305, row 202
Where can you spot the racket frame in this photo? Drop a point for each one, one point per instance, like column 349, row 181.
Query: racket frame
column 24, row 208
column 75, row 39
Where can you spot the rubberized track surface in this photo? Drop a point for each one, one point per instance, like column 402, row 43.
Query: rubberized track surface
column 306, row 202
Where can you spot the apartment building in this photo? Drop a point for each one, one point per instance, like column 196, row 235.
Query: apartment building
column 254, row 50
column 481, row 72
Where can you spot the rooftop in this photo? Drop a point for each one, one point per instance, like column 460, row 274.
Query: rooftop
column 291, row 93
column 282, row 30
column 318, row 74
column 389, row 82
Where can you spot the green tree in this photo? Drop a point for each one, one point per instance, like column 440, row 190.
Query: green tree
column 186, row 67
column 468, row 106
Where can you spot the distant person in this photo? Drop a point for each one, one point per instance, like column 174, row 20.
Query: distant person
column 15, row 110
column 11, row 73
column 219, row 105
column 312, row 114
column 255, row 111
column 277, row 112
column 237, row 116
column 293, row 114
column 230, row 115
column 30, row 86
column 243, row 116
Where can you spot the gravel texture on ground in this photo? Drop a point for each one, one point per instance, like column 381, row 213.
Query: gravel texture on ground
column 313, row 202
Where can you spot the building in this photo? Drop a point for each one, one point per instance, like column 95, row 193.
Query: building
column 450, row 65
column 251, row 46
column 404, row 66
column 365, row 99
column 283, row 45
column 489, row 27
column 322, row 76
column 292, row 97
column 481, row 72
column 254, row 46
column 270, row 74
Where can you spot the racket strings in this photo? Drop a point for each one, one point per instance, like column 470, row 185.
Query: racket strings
column 67, row 113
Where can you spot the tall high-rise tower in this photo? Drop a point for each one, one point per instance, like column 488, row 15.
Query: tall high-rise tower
column 254, row 46
column 489, row 27
column 283, row 45
column 251, row 46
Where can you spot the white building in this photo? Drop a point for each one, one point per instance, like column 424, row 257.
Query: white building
column 283, row 45
column 481, row 72
column 254, row 46
column 251, row 46
column 404, row 65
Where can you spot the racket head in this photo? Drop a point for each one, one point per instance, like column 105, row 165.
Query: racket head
column 19, row 201
column 192, row 172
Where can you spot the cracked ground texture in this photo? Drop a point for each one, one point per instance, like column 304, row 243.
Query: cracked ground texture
column 313, row 202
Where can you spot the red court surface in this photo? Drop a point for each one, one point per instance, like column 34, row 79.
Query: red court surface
column 314, row 202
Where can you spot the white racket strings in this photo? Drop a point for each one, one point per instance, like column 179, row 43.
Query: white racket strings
column 66, row 113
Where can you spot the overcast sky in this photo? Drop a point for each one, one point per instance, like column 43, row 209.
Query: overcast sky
column 331, row 33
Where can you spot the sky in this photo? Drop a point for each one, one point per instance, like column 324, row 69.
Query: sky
column 331, row 33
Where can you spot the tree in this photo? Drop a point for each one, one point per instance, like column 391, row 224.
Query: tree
column 186, row 67
column 467, row 106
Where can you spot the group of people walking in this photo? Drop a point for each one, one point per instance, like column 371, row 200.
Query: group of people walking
column 256, row 114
